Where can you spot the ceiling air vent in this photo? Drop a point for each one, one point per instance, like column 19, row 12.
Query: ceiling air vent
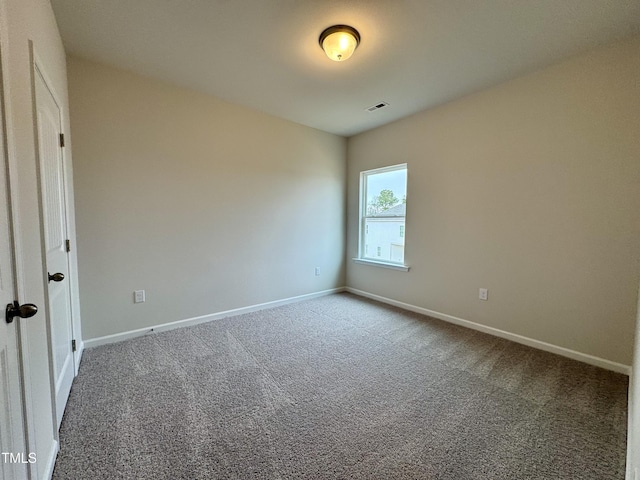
column 377, row 106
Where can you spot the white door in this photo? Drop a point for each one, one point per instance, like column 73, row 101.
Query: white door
column 12, row 443
column 52, row 194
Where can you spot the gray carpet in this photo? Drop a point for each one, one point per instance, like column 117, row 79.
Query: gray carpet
column 339, row 387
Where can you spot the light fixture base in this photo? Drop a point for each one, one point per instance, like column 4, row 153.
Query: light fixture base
column 339, row 42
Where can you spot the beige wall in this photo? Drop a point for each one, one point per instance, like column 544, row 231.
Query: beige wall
column 206, row 205
column 22, row 21
column 530, row 189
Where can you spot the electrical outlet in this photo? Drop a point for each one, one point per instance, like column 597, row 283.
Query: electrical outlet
column 138, row 296
column 317, row 271
column 483, row 294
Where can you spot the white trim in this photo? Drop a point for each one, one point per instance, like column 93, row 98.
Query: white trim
column 17, row 439
column 51, row 461
column 362, row 203
column 374, row 263
column 631, row 415
column 67, row 181
column 118, row 337
column 633, row 430
column 37, row 70
column 16, row 233
column 389, row 168
column 530, row 342
column 78, row 355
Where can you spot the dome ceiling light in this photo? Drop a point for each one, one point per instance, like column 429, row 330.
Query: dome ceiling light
column 339, row 42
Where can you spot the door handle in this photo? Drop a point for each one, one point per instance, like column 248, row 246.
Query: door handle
column 16, row 310
column 56, row 277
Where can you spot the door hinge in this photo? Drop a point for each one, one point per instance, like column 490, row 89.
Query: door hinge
column 73, row 345
column 62, row 139
column 67, row 244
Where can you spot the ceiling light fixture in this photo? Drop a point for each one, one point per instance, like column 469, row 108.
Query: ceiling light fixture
column 339, row 42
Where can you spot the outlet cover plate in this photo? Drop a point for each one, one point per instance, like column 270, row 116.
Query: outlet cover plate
column 138, row 296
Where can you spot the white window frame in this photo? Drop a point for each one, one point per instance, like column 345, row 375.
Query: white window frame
column 362, row 216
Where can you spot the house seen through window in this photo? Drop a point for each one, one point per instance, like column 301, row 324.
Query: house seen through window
column 382, row 217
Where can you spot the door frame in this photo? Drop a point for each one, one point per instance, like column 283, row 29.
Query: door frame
column 18, row 430
column 19, row 280
column 633, row 410
column 37, row 68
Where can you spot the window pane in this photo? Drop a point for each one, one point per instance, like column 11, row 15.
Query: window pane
column 385, row 190
column 384, row 213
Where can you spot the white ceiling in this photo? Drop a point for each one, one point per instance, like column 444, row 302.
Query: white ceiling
column 264, row 54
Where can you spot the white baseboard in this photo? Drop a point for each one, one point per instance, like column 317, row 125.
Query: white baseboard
column 632, row 434
column 51, row 462
column 530, row 342
column 78, row 356
column 540, row 345
column 118, row 337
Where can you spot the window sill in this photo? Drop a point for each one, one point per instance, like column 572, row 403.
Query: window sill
column 373, row 263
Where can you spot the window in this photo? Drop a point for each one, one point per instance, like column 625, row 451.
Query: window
column 383, row 203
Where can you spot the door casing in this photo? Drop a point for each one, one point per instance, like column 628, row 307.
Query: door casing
column 38, row 71
column 13, row 428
